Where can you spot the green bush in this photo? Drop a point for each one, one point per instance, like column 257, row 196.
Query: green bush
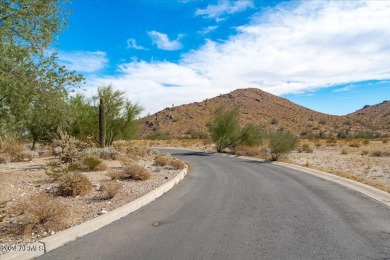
column 158, row 135
column 91, row 162
column 226, row 132
column 281, row 142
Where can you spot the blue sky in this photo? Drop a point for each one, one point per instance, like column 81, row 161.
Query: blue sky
column 330, row 56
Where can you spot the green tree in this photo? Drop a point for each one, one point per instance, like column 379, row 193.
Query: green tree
column 226, row 132
column 27, row 67
column 121, row 114
column 84, row 117
column 281, row 142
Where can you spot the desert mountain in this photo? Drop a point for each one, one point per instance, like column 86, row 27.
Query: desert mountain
column 376, row 116
column 267, row 110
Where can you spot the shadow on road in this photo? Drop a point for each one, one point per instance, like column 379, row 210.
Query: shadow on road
column 191, row 154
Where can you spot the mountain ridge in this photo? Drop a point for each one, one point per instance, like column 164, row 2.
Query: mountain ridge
column 271, row 112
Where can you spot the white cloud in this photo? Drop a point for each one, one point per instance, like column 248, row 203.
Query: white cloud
column 224, row 7
column 83, row 61
column 132, row 44
column 162, row 41
column 208, row 29
column 292, row 48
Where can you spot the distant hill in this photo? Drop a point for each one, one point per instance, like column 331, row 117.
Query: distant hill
column 376, row 117
column 270, row 111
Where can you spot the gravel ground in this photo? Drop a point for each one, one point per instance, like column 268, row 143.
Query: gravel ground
column 20, row 180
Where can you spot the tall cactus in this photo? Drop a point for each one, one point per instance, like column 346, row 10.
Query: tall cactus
column 102, row 123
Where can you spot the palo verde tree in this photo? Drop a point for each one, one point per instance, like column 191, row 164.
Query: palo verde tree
column 281, row 142
column 226, row 132
column 120, row 113
column 28, row 69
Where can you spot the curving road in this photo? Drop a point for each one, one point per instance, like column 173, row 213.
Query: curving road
column 229, row 208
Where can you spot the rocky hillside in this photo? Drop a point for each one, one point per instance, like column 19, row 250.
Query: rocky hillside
column 262, row 108
column 377, row 117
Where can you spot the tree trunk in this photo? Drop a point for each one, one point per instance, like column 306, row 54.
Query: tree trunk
column 102, row 123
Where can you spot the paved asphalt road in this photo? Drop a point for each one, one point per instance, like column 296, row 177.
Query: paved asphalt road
column 229, row 208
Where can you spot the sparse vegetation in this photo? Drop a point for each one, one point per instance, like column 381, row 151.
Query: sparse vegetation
column 130, row 171
column 226, row 132
column 110, row 189
column 38, row 213
column 92, row 163
column 281, row 142
column 74, row 184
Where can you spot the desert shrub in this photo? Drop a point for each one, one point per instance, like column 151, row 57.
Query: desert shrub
column 110, row 189
column 3, row 158
column 161, row 160
column 106, row 153
column 68, row 148
column 344, row 151
column 135, row 151
column 74, row 184
column 130, row 171
column 196, row 134
column 306, row 148
column 378, row 153
column 91, row 162
column 176, row 164
column 56, row 171
column 158, row 135
column 40, row 213
column 355, row 144
column 73, row 167
column 281, row 142
column 13, row 148
column 226, row 132
column 273, row 121
column 331, row 142
column 246, row 150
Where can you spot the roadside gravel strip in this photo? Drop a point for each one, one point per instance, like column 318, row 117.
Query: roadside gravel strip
column 52, row 242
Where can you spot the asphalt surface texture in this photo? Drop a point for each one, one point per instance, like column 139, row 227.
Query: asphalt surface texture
column 230, row 208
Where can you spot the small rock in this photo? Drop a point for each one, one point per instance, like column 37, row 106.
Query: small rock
column 166, row 178
column 102, row 211
column 52, row 233
column 23, row 194
column 37, row 186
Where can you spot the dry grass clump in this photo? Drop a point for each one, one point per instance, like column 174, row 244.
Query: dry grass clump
column 355, row 144
column 94, row 164
column 165, row 160
column 74, row 184
column 344, row 151
column 38, row 213
column 378, row 153
column 136, row 151
column 246, row 151
column 13, row 150
column 364, row 152
column 366, row 141
column 161, row 160
column 176, row 164
column 110, row 189
column 331, row 142
column 130, row 171
column 305, row 148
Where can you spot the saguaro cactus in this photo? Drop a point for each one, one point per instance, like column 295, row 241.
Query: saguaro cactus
column 102, row 123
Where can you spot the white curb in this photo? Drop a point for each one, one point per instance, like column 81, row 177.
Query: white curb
column 376, row 194
column 52, row 242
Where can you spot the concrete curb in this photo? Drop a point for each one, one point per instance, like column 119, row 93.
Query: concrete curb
column 378, row 195
column 52, row 242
